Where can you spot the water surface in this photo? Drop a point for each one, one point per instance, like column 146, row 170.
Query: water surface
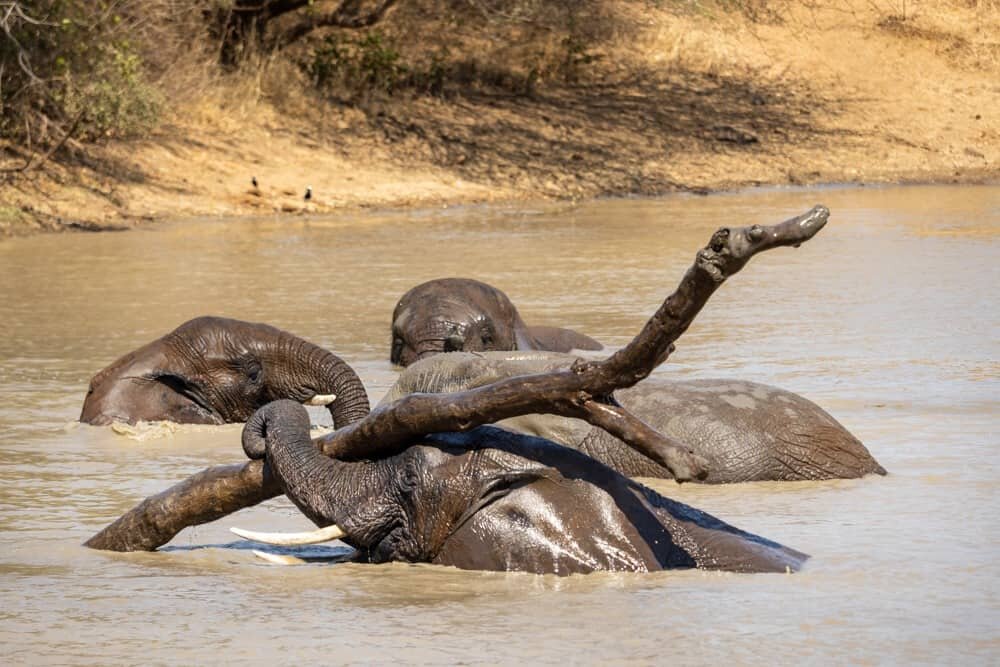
column 889, row 319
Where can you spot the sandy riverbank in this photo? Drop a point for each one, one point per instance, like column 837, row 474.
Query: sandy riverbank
column 854, row 93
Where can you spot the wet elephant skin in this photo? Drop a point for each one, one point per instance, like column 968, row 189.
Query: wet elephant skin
column 746, row 430
column 460, row 314
column 491, row 499
column 215, row 370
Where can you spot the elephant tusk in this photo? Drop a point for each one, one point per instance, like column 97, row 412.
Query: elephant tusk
column 277, row 559
column 291, row 539
column 322, row 399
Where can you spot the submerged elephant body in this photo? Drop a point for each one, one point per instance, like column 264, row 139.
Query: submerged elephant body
column 746, row 431
column 459, row 314
column 478, row 497
column 214, row 370
column 490, row 499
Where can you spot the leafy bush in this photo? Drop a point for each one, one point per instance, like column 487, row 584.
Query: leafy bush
column 85, row 67
column 112, row 98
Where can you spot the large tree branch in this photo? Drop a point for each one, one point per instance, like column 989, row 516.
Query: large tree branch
column 578, row 392
column 347, row 15
column 581, row 391
column 277, row 23
column 209, row 495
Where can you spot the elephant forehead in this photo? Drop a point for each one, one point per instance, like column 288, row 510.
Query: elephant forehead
column 455, row 294
column 474, row 369
column 446, row 310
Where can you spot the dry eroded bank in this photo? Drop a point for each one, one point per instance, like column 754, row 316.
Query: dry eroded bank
column 667, row 100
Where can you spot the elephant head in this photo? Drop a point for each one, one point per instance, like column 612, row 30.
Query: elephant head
column 213, row 370
column 745, row 430
column 459, row 314
column 489, row 499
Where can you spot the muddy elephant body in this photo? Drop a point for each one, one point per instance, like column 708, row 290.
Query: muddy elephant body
column 214, row 370
column 491, row 499
column 747, row 431
column 460, row 314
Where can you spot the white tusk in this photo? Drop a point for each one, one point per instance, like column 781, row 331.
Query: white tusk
column 322, row 399
column 277, row 559
column 291, row 539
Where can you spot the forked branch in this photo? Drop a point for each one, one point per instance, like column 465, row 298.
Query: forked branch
column 583, row 392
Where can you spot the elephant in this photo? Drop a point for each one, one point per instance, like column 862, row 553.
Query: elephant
column 745, row 430
column 461, row 314
column 214, row 370
column 490, row 499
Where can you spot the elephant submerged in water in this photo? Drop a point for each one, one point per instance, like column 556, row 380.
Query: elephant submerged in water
column 460, row 314
column 425, row 479
column 214, row 370
column 746, row 431
column 489, row 499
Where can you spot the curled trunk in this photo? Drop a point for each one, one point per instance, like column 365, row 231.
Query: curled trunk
column 310, row 369
column 216, row 370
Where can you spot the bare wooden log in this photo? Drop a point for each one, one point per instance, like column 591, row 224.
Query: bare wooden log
column 582, row 391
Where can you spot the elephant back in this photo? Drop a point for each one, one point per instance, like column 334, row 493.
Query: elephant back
column 751, row 431
column 457, row 371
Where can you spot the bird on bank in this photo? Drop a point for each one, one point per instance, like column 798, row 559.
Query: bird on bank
column 254, row 192
column 309, row 193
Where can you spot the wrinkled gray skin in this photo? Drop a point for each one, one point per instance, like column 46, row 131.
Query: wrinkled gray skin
column 490, row 499
column 213, row 370
column 746, row 431
column 463, row 315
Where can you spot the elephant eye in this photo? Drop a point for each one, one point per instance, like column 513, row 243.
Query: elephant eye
column 251, row 368
column 175, row 382
column 454, row 343
column 397, row 347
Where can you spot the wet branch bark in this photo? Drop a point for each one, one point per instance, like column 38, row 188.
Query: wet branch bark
column 583, row 392
column 209, row 495
column 247, row 23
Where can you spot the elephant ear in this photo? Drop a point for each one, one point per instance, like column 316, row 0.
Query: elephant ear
column 494, row 487
column 558, row 339
column 523, row 338
column 563, row 430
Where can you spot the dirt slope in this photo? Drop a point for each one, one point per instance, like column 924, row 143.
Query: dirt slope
column 701, row 100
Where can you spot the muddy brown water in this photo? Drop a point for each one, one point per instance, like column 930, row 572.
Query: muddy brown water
column 889, row 319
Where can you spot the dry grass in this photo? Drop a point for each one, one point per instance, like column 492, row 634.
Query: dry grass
column 547, row 99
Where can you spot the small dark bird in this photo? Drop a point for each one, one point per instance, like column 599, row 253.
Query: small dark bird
column 309, row 193
column 253, row 181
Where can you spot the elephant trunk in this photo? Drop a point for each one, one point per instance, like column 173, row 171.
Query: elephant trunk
column 320, row 372
column 280, row 431
column 326, row 490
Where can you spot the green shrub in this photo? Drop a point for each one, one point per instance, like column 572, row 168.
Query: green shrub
column 111, row 95
column 84, row 65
